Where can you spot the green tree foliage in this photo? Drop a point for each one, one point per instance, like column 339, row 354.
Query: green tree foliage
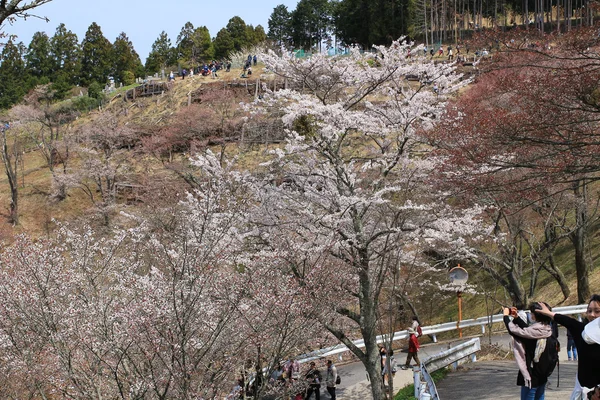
column 254, row 35
column 65, row 53
column 126, row 60
column 352, row 21
column 372, row 22
column 223, row 44
column 38, row 60
column 161, row 55
column 237, row 30
column 280, row 26
column 96, row 59
column 202, row 48
column 185, row 42
column 311, row 23
column 12, row 73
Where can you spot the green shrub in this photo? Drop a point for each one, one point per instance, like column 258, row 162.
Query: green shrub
column 85, row 103
column 95, row 90
column 128, row 78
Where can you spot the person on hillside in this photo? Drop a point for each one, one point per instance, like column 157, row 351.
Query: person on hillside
column 171, row 76
column 441, row 51
column 413, row 348
column 313, row 378
column 571, row 348
column 586, row 336
column 331, row 379
column 535, row 350
column 254, row 60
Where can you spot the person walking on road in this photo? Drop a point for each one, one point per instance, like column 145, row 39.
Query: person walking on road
column 413, row 348
column 571, row 348
column 586, row 335
column 313, row 377
column 535, row 351
column 331, row 379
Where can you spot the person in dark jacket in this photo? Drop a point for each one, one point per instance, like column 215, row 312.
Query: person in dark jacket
column 586, row 335
column 531, row 345
column 313, row 377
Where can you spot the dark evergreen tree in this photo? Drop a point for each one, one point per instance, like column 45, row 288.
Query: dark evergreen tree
column 280, row 26
column 352, row 20
column 161, row 55
column 260, row 35
column 185, row 42
column 254, row 35
column 38, row 59
column 96, row 59
column 65, row 52
column 237, row 30
column 127, row 62
column 311, row 23
column 202, row 49
column 223, row 44
column 12, row 74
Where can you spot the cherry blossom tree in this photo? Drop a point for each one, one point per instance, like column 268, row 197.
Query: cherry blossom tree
column 350, row 185
column 102, row 146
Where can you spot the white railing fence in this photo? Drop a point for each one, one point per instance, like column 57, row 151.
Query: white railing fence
column 432, row 330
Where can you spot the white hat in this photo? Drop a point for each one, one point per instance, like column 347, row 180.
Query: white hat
column 591, row 332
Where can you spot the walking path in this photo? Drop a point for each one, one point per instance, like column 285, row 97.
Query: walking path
column 473, row 381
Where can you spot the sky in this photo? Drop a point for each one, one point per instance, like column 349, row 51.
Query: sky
column 143, row 20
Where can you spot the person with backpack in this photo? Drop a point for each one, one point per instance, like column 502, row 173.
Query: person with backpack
column 535, row 350
column 586, row 335
column 332, row 379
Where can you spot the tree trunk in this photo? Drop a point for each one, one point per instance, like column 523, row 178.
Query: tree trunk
column 578, row 238
column 11, row 175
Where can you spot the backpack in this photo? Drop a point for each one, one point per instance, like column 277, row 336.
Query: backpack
column 419, row 331
column 549, row 358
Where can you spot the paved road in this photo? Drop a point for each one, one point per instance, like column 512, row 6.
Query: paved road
column 481, row 380
column 498, row 380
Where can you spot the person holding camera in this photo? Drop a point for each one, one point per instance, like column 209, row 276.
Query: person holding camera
column 535, row 351
column 586, row 335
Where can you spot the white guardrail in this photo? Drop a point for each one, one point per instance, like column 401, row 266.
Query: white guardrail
column 432, row 330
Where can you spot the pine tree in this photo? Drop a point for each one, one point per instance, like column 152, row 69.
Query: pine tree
column 65, row 52
column 223, row 44
column 12, row 72
column 96, row 57
column 311, row 23
column 237, row 30
column 280, row 26
column 202, row 45
column 38, row 58
column 185, row 42
column 161, row 55
column 127, row 64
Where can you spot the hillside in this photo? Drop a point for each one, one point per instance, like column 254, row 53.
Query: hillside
column 155, row 178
